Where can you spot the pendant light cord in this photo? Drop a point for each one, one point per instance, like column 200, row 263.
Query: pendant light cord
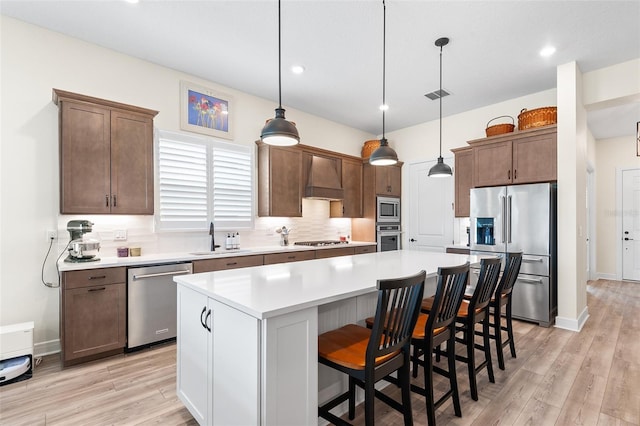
column 440, row 101
column 384, row 61
column 280, row 60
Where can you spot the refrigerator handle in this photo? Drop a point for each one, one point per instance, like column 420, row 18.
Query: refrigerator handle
column 503, row 205
column 509, row 216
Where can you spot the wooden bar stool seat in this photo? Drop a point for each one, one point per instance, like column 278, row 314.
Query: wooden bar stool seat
column 370, row 355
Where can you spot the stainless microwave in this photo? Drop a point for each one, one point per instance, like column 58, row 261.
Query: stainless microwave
column 388, row 210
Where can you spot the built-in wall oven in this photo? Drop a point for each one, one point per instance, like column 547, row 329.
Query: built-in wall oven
column 388, row 210
column 388, row 237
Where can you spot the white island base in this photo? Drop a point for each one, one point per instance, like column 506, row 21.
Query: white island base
column 247, row 338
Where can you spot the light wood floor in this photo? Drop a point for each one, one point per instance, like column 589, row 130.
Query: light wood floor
column 558, row 378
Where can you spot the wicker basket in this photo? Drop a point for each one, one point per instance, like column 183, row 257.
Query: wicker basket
column 537, row 117
column 498, row 129
column 369, row 147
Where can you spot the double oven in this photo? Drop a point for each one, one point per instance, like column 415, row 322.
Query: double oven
column 388, row 234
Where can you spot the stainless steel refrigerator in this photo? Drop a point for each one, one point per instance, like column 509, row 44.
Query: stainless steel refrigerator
column 521, row 218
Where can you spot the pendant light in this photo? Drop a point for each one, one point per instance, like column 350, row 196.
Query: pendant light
column 279, row 131
column 384, row 155
column 441, row 169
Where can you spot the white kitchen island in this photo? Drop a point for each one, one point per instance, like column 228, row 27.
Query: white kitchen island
column 247, row 338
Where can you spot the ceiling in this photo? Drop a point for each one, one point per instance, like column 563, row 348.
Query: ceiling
column 492, row 57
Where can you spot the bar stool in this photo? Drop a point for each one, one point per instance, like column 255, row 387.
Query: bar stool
column 369, row 355
column 502, row 300
column 475, row 311
column 432, row 330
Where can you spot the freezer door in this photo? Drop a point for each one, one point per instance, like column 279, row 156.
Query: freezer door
column 528, row 222
column 488, row 210
column 530, row 299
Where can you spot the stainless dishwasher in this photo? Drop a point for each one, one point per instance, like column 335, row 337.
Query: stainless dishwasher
column 151, row 303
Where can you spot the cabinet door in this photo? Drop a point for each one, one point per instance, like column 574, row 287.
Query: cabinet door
column 193, row 375
column 492, row 164
column 279, row 181
column 463, row 182
column 85, row 185
column 351, row 205
column 334, row 252
column 131, row 163
column 535, row 159
column 388, row 180
column 270, row 259
column 94, row 320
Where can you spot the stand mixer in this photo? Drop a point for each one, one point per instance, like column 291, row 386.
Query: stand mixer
column 81, row 250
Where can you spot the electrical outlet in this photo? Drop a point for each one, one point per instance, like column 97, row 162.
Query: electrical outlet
column 52, row 235
column 120, row 235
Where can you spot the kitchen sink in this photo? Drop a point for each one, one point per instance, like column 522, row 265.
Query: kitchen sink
column 219, row 252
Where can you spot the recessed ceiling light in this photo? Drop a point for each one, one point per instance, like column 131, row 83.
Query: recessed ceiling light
column 547, row 51
column 384, row 107
column 297, row 69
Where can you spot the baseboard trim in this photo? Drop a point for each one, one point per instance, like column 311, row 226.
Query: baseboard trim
column 573, row 324
column 605, row 276
column 46, row 348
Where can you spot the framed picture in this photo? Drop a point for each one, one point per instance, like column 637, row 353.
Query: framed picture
column 205, row 111
column 638, row 138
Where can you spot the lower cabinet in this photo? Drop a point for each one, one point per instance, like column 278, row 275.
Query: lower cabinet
column 270, row 259
column 218, row 373
column 93, row 314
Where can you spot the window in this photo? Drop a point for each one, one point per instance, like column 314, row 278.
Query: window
column 202, row 180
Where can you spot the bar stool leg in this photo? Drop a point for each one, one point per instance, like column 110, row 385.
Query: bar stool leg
column 469, row 336
column 487, row 348
column 451, row 355
column 497, row 330
column 512, row 344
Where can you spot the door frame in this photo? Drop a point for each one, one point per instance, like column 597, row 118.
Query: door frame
column 591, row 221
column 619, row 171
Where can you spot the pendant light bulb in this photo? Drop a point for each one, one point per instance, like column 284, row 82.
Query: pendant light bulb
column 278, row 131
column 441, row 169
column 384, row 155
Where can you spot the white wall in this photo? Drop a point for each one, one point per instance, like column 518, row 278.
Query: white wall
column 33, row 62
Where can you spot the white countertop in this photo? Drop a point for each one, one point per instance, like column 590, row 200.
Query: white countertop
column 270, row 290
column 157, row 258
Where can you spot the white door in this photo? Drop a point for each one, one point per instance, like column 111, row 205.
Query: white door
column 430, row 204
column 631, row 225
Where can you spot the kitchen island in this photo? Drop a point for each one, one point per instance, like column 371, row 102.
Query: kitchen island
column 247, row 338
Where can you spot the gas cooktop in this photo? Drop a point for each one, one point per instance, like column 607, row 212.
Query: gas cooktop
column 320, row 243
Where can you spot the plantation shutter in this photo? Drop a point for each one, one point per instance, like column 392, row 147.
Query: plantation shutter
column 232, row 188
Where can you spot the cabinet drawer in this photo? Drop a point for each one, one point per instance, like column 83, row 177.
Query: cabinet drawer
column 342, row 251
column 207, row 265
column 457, row 250
column 364, row 249
column 91, row 277
column 270, row 259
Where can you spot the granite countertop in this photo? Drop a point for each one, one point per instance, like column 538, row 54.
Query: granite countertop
column 159, row 258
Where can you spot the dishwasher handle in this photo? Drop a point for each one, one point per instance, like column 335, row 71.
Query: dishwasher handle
column 160, row 274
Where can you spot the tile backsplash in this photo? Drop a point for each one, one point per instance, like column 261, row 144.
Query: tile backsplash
column 314, row 224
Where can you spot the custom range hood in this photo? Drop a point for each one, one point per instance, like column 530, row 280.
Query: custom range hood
column 323, row 178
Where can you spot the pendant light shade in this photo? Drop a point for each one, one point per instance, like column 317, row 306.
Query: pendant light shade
column 384, row 155
column 279, row 131
column 441, row 169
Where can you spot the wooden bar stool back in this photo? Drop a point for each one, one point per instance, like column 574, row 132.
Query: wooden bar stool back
column 501, row 304
column 475, row 311
column 369, row 355
column 435, row 328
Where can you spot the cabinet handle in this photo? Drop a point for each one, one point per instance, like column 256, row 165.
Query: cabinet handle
column 232, row 263
column 201, row 319
column 114, row 200
column 515, row 174
column 508, row 174
column 106, row 200
column 206, row 321
column 98, row 277
column 291, row 257
column 97, row 289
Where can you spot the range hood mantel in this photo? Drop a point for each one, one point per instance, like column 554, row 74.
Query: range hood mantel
column 323, row 178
